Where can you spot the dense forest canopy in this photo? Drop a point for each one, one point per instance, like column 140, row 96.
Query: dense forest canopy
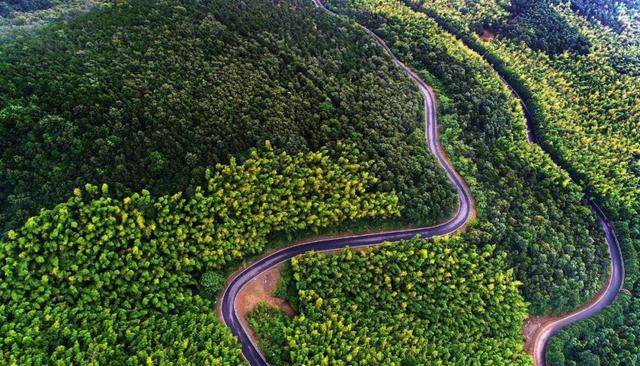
column 616, row 14
column 124, row 271
column 586, row 110
column 29, row 14
column 417, row 302
column 8, row 6
column 526, row 205
column 155, row 108
column 98, row 280
column 543, row 30
column 147, row 95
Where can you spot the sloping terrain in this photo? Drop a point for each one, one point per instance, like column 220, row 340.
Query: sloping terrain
column 147, row 95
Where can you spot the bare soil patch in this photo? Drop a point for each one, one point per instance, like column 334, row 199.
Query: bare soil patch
column 487, row 36
column 260, row 289
column 531, row 327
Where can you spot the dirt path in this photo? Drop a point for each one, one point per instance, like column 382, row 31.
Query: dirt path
column 260, row 289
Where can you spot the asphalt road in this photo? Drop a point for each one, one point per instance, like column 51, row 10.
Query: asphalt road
column 612, row 287
column 606, row 296
column 465, row 209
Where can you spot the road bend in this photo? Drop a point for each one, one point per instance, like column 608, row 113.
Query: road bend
column 464, row 212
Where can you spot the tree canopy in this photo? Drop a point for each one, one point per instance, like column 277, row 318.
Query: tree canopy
column 526, row 204
column 147, row 95
column 98, row 280
column 416, row 302
column 585, row 110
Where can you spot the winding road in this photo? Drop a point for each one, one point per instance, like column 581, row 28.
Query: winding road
column 466, row 210
column 606, row 296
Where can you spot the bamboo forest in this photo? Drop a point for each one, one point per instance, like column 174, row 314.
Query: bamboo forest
column 320, row 182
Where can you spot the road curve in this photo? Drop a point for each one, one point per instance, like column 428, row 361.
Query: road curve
column 606, row 296
column 615, row 281
column 465, row 211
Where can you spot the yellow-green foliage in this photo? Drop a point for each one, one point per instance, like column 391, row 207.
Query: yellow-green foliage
column 586, row 108
column 525, row 203
column 417, row 302
column 589, row 112
column 222, row 76
column 98, row 280
column 586, row 105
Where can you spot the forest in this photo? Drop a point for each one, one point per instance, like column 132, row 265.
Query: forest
column 27, row 14
column 616, row 14
column 586, row 113
column 98, row 280
column 549, row 235
column 176, row 196
column 104, row 107
column 24, row 6
column 417, row 302
column 527, row 206
column 204, row 133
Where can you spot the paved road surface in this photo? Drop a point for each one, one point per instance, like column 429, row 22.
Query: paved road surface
column 465, row 209
column 464, row 212
column 606, row 296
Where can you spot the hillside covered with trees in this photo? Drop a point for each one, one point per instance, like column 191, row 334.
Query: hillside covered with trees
column 206, row 132
column 526, row 205
column 29, row 14
column 154, row 108
column 102, row 280
column 417, row 302
column 584, row 103
column 147, row 95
